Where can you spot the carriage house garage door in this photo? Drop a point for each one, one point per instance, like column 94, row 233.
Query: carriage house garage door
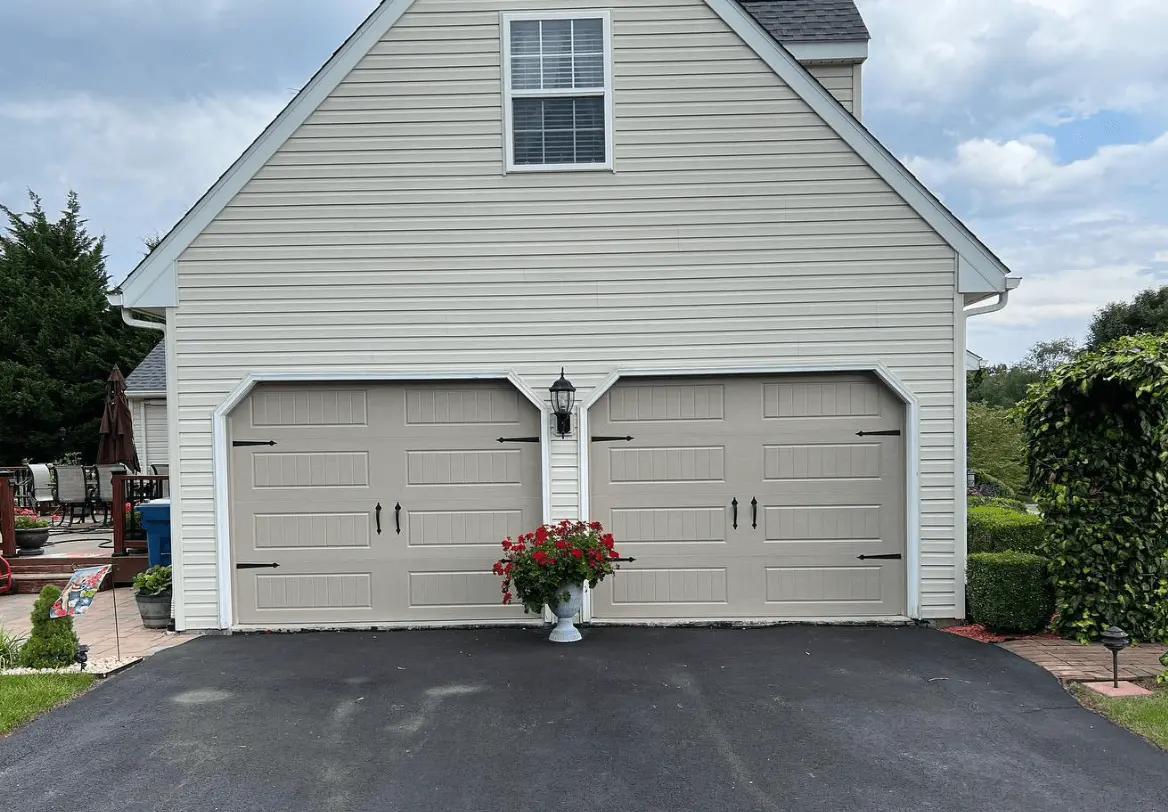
column 427, row 453
column 812, row 497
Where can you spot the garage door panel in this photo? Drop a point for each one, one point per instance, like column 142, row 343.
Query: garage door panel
column 824, row 497
column 308, row 502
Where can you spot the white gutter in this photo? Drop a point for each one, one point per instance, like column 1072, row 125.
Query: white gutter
column 1012, row 283
column 115, row 300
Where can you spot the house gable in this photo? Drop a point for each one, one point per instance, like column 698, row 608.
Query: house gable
column 152, row 284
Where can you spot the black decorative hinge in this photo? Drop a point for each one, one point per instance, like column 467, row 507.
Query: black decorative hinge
column 518, row 439
column 603, row 439
column 244, row 443
column 885, row 557
column 625, row 560
column 256, row 566
column 888, row 433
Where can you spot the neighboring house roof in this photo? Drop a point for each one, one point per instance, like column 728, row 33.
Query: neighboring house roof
column 150, row 375
column 153, row 284
column 810, row 20
column 973, row 361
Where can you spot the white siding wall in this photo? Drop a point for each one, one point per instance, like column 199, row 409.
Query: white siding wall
column 737, row 229
column 840, row 80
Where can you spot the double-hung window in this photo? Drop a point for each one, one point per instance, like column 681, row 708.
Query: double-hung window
column 557, row 88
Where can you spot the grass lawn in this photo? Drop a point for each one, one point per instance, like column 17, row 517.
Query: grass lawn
column 25, row 697
column 1147, row 715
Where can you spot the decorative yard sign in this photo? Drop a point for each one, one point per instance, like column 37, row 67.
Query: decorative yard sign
column 78, row 594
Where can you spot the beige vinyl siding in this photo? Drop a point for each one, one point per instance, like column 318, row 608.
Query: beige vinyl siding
column 840, row 81
column 736, row 230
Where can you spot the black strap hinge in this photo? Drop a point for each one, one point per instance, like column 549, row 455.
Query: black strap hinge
column 888, row 433
column 613, row 439
column 247, row 443
column 885, row 557
column 256, row 566
column 518, row 439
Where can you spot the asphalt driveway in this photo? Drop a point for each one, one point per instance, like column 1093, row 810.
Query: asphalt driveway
column 725, row 720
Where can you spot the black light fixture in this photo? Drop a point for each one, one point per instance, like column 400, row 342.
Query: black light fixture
column 1115, row 640
column 563, row 399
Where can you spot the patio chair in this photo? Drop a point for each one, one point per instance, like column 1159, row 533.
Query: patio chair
column 42, row 487
column 73, row 492
column 104, row 494
column 161, row 470
column 161, row 489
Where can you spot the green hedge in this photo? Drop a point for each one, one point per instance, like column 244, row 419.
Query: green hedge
column 995, row 529
column 1010, row 591
column 997, row 501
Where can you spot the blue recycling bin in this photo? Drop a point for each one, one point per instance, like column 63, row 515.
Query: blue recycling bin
column 156, row 522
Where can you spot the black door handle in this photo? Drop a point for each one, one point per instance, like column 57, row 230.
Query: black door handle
column 397, row 517
column 754, row 512
column 377, row 513
column 734, row 505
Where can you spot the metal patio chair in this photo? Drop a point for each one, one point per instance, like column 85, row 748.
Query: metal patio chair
column 42, row 486
column 73, row 492
column 104, row 493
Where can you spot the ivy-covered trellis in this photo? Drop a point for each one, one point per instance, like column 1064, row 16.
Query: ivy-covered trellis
column 1097, row 433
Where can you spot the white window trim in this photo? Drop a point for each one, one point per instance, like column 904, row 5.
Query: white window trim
column 506, row 18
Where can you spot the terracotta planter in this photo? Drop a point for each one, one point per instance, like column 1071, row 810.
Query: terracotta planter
column 31, row 541
column 154, row 609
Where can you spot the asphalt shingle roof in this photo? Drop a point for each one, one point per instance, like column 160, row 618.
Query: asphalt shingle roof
column 150, row 375
column 809, row 20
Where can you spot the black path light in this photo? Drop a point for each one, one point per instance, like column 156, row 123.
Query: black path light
column 563, row 399
column 1115, row 640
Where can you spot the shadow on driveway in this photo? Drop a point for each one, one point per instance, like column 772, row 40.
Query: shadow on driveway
column 790, row 718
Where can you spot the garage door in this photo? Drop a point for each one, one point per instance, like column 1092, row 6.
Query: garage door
column 311, row 464
column 751, row 497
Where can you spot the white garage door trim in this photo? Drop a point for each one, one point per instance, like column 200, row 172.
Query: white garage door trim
column 220, row 432
column 899, row 387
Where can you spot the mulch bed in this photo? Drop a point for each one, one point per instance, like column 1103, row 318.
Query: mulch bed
column 978, row 632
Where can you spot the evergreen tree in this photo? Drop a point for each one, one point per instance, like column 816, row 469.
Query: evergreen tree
column 59, row 337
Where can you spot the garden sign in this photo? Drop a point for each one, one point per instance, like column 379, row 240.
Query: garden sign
column 79, row 592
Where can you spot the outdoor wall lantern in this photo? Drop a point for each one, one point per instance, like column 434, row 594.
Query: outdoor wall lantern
column 563, row 399
column 1115, row 640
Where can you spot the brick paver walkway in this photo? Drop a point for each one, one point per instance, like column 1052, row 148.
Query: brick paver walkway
column 1072, row 662
column 96, row 627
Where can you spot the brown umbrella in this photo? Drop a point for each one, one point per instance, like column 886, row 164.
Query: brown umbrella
column 116, row 436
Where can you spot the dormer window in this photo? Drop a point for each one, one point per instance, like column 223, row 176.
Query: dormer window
column 557, row 90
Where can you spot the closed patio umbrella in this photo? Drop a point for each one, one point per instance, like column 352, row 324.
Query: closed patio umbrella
column 116, row 436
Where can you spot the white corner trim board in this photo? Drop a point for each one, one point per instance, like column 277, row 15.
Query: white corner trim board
column 912, row 445
column 153, row 282
column 220, row 441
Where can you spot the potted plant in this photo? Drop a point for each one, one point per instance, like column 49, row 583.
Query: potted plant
column 549, row 567
column 32, row 532
column 153, row 594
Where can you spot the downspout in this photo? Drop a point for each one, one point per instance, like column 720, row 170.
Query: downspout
column 115, row 300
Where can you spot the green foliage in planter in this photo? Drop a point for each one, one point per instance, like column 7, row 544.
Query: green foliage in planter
column 995, row 529
column 154, row 581
column 1010, row 591
column 997, row 501
column 52, row 642
column 1097, row 431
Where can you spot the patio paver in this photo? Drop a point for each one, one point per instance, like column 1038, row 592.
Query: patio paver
column 1073, row 662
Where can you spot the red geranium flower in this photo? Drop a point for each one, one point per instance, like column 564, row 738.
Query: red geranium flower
column 578, row 553
column 507, row 543
column 506, row 597
column 560, row 545
column 541, row 534
column 613, row 554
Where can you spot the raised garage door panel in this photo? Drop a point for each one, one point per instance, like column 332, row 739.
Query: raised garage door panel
column 427, row 453
column 823, row 496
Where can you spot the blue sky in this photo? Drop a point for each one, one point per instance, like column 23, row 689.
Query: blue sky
column 1043, row 123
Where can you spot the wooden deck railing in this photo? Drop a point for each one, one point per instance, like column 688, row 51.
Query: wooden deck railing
column 7, row 518
column 129, row 492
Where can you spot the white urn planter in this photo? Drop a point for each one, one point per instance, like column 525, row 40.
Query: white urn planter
column 565, row 631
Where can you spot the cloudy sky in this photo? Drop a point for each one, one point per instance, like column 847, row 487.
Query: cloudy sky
column 1043, row 123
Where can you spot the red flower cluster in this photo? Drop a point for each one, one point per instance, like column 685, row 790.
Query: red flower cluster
column 539, row 564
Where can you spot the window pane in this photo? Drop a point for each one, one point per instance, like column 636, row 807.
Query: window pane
column 557, row 72
column 590, row 146
column 559, row 114
column 527, row 114
column 588, row 36
column 525, row 72
column 559, row 147
column 557, row 37
column 590, row 113
column 590, row 70
column 525, row 37
column 529, row 148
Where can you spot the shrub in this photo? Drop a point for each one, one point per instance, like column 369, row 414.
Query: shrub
column 995, row 529
column 1010, row 591
column 539, row 565
column 154, row 581
column 9, row 650
column 998, row 501
column 989, row 485
column 996, row 450
column 1097, row 431
column 52, row 642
